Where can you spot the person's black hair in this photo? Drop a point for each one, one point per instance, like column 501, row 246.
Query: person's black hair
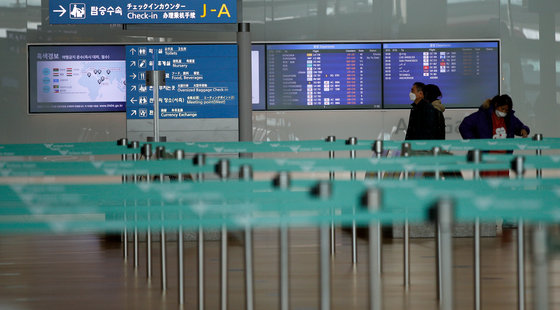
column 501, row 100
column 431, row 92
column 419, row 86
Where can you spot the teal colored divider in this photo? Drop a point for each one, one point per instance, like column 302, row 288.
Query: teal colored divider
column 111, row 147
column 168, row 166
column 71, row 208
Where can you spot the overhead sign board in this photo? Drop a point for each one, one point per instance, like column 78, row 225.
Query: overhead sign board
column 200, row 81
column 142, row 12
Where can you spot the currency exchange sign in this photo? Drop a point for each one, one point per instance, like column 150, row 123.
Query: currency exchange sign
column 142, row 12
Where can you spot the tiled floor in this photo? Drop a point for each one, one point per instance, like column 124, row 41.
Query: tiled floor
column 88, row 272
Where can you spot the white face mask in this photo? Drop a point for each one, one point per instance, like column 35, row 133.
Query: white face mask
column 500, row 113
column 412, row 96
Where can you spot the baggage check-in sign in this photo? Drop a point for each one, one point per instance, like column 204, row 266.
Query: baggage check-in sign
column 142, row 12
column 200, row 81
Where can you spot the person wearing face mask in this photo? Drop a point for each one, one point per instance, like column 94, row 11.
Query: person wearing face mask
column 426, row 118
column 494, row 119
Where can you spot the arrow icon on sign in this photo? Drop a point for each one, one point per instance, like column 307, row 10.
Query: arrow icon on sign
column 61, row 11
column 132, row 100
column 133, row 87
column 133, row 112
column 132, row 51
column 133, row 75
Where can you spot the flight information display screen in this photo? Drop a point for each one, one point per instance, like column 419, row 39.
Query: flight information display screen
column 76, row 78
column 466, row 72
column 324, row 76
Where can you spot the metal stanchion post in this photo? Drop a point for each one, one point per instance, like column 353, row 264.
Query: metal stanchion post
column 475, row 157
column 160, row 154
column 435, row 152
column 538, row 137
column 124, row 142
column 199, row 160
column 135, row 145
column 223, row 169
column 405, row 152
column 200, row 268
column 147, row 153
column 372, row 200
column 180, row 155
column 540, row 268
column 378, row 150
column 444, row 216
column 246, row 174
column 323, row 190
column 155, row 78
column 518, row 165
column 353, row 141
column 282, row 182
column 331, row 139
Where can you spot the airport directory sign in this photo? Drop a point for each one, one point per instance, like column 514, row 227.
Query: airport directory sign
column 142, row 12
column 200, row 81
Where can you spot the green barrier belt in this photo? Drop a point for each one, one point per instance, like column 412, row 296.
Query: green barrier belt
column 108, row 148
column 66, row 208
column 142, row 167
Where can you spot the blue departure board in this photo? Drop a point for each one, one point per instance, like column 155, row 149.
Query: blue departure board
column 76, row 78
column 201, row 81
column 324, row 76
column 467, row 73
column 142, row 12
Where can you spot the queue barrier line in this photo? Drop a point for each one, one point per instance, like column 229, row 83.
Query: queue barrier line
column 530, row 207
column 173, row 167
column 146, row 219
column 111, row 147
column 155, row 217
column 234, row 191
column 541, row 206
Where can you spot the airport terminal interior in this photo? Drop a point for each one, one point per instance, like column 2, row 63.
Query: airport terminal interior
column 260, row 154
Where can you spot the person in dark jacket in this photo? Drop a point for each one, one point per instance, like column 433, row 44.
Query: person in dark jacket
column 426, row 116
column 494, row 119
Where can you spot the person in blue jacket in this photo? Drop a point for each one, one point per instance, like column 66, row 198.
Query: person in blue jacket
column 494, row 119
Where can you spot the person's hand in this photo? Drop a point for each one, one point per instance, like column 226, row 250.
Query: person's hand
column 524, row 133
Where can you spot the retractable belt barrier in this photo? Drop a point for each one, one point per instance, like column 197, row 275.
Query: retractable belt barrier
column 216, row 202
column 139, row 204
column 259, row 203
column 420, row 163
column 108, row 148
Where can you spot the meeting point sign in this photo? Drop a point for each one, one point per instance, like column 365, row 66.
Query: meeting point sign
column 142, row 12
